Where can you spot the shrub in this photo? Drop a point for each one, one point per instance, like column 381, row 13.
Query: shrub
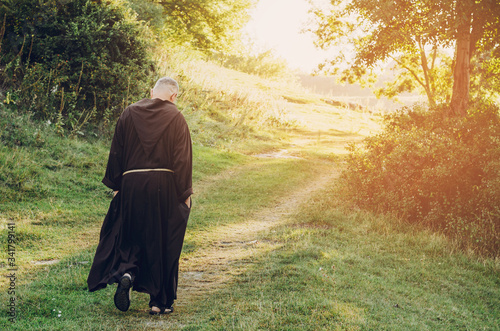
column 80, row 60
column 440, row 172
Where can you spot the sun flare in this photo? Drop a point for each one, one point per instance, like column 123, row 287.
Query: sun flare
column 278, row 25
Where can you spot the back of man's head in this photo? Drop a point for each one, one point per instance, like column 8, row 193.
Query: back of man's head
column 165, row 88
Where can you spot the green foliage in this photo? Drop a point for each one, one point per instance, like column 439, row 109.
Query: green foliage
column 265, row 64
column 19, row 130
column 439, row 88
column 150, row 12
column 18, row 171
column 412, row 35
column 206, row 25
column 35, row 162
column 76, row 60
column 444, row 173
column 486, row 75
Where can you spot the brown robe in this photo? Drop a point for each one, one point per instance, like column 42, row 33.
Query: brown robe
column 144, row 229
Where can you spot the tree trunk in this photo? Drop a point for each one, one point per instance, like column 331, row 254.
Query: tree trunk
column 461, row 71
column 425, row 67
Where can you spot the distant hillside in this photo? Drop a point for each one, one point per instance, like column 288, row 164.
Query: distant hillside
column 328, row 87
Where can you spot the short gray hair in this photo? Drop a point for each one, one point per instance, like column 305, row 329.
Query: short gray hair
column 167, row 82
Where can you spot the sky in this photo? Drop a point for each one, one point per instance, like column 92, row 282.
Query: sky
column 277, row 24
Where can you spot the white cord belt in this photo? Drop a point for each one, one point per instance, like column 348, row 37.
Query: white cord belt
column 147, row 170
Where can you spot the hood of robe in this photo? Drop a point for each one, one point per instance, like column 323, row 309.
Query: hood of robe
column 151, row 118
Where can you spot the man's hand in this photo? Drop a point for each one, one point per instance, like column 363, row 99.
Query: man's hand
column 188, row 202
column 115, row 193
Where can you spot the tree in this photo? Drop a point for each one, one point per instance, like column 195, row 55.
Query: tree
column 477, row 30
column 208, row 25
column 413, row 34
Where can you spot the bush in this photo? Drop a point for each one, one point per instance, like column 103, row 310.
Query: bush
column 80, row 60
column 440, row 172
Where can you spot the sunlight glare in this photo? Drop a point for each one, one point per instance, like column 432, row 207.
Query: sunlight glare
column 277, row 25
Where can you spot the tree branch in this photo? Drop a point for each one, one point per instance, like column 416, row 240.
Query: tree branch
column 411, row 71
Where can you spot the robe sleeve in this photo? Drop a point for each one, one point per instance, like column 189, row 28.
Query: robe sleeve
column 183, row 160
column 114, row 169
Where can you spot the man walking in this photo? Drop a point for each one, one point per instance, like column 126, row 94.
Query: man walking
column 150, row 171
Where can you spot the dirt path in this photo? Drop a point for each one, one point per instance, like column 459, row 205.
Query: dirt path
column 230, row 249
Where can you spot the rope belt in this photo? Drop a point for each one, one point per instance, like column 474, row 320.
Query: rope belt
column 147, row 170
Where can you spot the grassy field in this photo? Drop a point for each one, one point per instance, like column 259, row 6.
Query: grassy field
column 269, row 245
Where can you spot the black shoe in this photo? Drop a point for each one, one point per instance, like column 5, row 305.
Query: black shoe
column 122, row 295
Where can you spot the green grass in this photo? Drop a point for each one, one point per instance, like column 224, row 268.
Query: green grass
column 63, row 286
column 349, row 270
column 328, row 269
column 248, row 188
column 56, row 197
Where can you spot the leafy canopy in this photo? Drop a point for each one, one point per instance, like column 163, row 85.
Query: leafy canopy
column 207, row 25
column 415, row 36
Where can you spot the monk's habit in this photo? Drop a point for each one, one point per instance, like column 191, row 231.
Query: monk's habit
column 150, row 164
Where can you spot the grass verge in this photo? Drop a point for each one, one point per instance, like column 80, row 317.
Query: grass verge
column 325, row 268
column 338, row 270
column 55, row 297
